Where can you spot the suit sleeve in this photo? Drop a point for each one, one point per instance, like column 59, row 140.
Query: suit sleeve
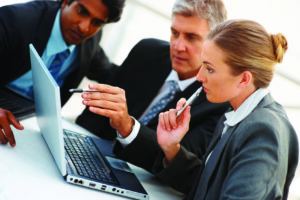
column 184, row 169
column 145, row 152
column 142, row 151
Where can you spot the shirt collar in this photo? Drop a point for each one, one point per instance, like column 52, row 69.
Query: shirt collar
column 234, row 117
column 56, row 42
column 183, row 84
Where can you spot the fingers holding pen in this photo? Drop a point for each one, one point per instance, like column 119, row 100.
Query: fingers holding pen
column 168, row 119
column 106, row 92
column 104, row 88
column 108, row 99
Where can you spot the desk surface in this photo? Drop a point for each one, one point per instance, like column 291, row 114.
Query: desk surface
column 28, row 171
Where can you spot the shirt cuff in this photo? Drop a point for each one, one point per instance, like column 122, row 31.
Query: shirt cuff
column 134, row 132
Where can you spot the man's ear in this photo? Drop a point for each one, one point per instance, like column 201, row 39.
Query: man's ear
column 65, row 3
column 246, row 79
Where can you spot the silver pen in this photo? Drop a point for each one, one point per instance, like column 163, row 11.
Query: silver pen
column 82, row 90
column 190, row 100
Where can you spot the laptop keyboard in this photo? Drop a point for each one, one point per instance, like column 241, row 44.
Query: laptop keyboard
column 81, row 151
column 8, row 105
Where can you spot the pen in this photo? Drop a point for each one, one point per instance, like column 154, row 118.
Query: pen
column 190, row 101
column 82, row 90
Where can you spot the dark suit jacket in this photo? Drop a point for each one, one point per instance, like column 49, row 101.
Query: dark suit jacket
column 141, row 76
column 32, row 22
column 256, row 159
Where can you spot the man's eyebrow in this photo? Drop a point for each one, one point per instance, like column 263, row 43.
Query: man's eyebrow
column 83, row 7
column 189, row 34
column 86, row 10
column 194, row 34
column 100, row 21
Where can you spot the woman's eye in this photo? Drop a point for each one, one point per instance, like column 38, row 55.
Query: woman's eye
column 210, row 70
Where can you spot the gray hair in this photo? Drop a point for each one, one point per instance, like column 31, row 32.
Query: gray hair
column 212, row 10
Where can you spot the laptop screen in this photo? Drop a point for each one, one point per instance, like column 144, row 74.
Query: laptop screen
column 48, row 108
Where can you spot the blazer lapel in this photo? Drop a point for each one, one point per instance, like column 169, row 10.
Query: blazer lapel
column 212, row 163
column 216, row 136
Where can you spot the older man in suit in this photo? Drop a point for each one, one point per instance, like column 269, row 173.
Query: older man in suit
column 53, row 27
column 145, row 77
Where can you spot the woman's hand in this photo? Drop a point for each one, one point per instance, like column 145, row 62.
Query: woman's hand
column 172, row 129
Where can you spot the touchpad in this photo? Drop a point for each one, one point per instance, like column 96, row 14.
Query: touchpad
column 119, row 164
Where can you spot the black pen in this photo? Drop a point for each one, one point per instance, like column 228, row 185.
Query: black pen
column 190, row 101
column 82, row 90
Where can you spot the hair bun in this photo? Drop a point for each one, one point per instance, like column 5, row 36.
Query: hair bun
column 280, row 46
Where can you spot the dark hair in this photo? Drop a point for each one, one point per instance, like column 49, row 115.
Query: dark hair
column 115, row 8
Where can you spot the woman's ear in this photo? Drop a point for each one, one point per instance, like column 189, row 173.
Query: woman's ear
column 246, row 79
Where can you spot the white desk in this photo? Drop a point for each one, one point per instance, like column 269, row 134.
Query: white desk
column 28, row 171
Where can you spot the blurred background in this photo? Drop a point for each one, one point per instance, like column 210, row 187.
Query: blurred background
column 146, row 19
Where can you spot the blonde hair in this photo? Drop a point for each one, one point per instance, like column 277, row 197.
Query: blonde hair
column 249, row 47
column 212, row 10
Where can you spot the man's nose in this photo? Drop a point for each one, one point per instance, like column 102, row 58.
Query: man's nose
column 180, row 44
column 84, row 25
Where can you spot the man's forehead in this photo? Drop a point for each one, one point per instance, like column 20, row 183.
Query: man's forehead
column 95, row 7
column 190, row 24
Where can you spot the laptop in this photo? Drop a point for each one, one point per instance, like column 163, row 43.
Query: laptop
column 95, row 166
column 20, row 106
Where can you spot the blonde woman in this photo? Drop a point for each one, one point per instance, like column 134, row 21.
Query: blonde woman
column 257, row 153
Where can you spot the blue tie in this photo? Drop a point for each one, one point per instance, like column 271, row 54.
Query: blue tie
column 159, row 105
column 58, row 62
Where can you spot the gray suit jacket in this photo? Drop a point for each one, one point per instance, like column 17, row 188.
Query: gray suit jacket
column 255, row 159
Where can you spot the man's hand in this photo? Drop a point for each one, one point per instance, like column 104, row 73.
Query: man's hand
column 6, row 134
column 110, row 102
